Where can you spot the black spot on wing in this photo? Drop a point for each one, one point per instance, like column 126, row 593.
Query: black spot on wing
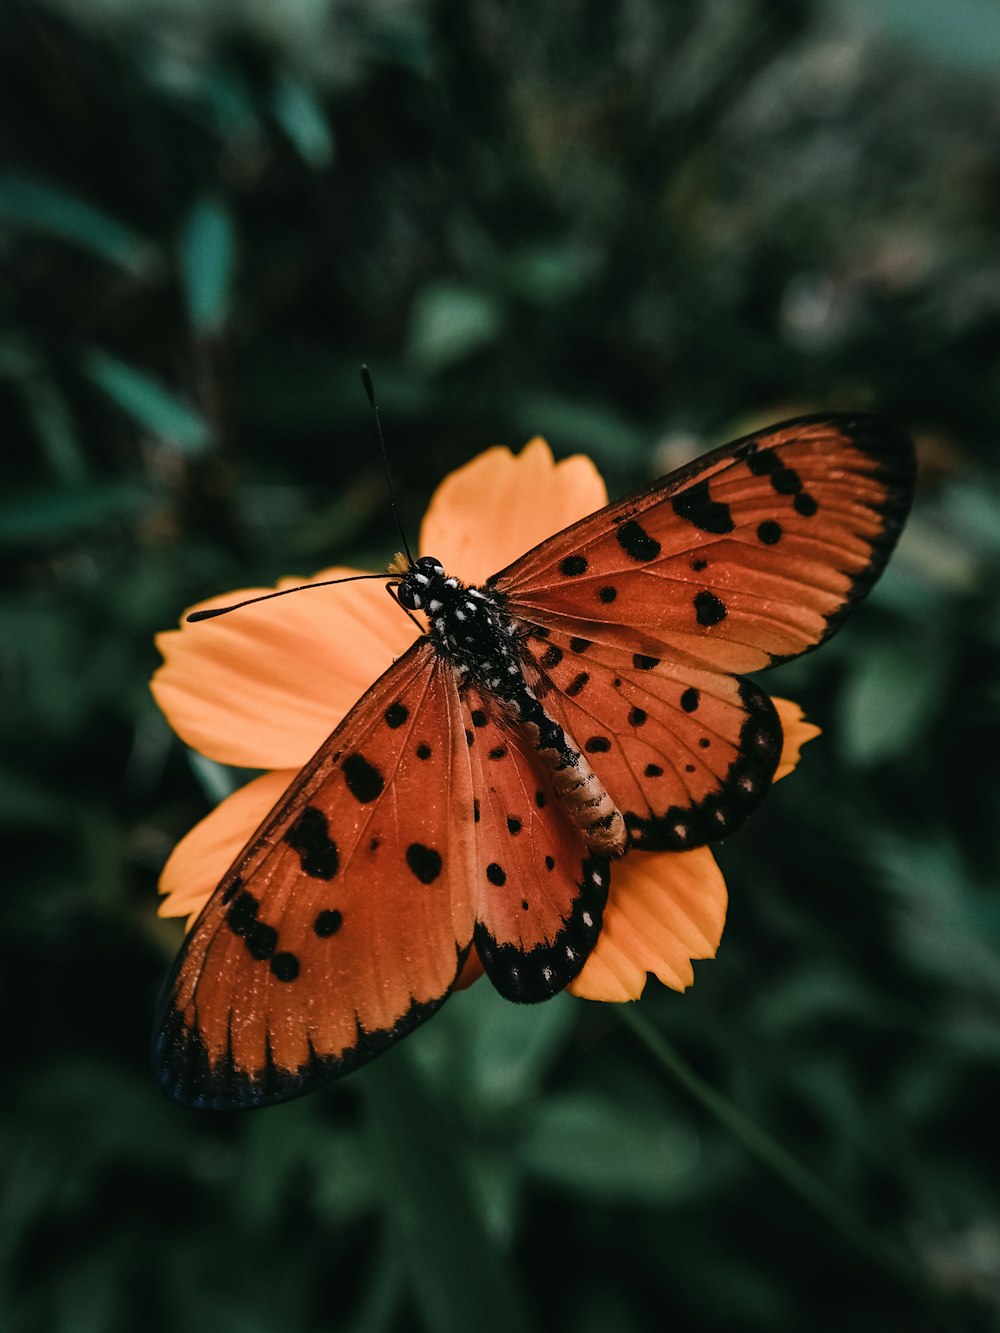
column 309, row 836
column 424, row 862
column 261, row 940
column 577, row 645
column 551, row 657
column 242, row 914
column 364, row 781
column 578, row 683
column 690, row 699
column 607, row 594
column 636, row 542
column 709, row 609
column 496, row 874
column 396, row 714
column 769, row 532
column 643, row 663
column 285, row 966
column 328, row 922
column 574, row 564
column 597, row 745
column 697, row 507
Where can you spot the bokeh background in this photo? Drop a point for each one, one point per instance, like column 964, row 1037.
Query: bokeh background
column 639, row 228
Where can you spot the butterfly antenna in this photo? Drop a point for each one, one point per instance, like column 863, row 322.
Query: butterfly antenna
column 212, row 612
column 366, row 380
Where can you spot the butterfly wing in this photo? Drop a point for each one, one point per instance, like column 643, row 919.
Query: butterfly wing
column 748, row 556
column 638, row 617
column 685, row 753
column 345, row 921
column 540, row 891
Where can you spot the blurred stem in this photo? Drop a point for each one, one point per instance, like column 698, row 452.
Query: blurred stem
column 768, row 1151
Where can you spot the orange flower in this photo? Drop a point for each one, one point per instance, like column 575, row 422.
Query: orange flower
column 264, row 688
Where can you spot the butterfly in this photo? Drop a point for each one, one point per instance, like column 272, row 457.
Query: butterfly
column 587, row 701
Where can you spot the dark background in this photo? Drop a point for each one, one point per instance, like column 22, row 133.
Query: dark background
column 640, row 229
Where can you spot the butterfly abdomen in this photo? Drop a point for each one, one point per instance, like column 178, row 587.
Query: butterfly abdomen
column 576, row 785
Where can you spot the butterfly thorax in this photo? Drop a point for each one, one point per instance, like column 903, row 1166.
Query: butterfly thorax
column 470, row 627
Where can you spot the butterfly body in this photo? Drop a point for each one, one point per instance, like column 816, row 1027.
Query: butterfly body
column 472, row 630
column 585, row 701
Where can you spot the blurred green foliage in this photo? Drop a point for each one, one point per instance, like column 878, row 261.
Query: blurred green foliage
column 638, row 229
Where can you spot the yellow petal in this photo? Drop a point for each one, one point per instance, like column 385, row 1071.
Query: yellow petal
column 664, row 909
column 500, row 505
column 202, row 857
column 265, row 686
column 797, row 731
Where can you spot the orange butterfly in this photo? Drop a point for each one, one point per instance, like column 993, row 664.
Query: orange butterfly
column 581, row 703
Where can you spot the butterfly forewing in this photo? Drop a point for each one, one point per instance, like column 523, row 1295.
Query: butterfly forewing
column 345, row 921
column 685, row 753
column 540, row 892
column 750, row 555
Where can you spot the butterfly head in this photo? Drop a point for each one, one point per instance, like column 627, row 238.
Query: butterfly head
column 415, row 586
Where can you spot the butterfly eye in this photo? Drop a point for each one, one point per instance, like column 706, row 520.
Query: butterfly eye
column 408, row 596
column 429, row 564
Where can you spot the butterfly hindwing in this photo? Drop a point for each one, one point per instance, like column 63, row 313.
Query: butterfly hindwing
column 684, row 753
column 748, row 556
column 540, row 891
column 346, row 919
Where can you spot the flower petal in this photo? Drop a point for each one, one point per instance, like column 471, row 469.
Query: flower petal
column 797, row 731
column 664, row 909
column 265, row 686
column 471, row 972
column 501, row 504
column 202, row 857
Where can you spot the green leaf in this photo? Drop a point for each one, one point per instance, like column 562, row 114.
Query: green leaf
column 34, row 205
column 301, row 116
column 25, row 366
column 24, row 804
column 449, row 323
column 887, row 697
column 217, row 781
column 575, row 423
column 964, row 33
column 599, row 1146
column 31, row 517
column 508, row 1048
column 456, row 1272
column 207, row 245
column 148, row 403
